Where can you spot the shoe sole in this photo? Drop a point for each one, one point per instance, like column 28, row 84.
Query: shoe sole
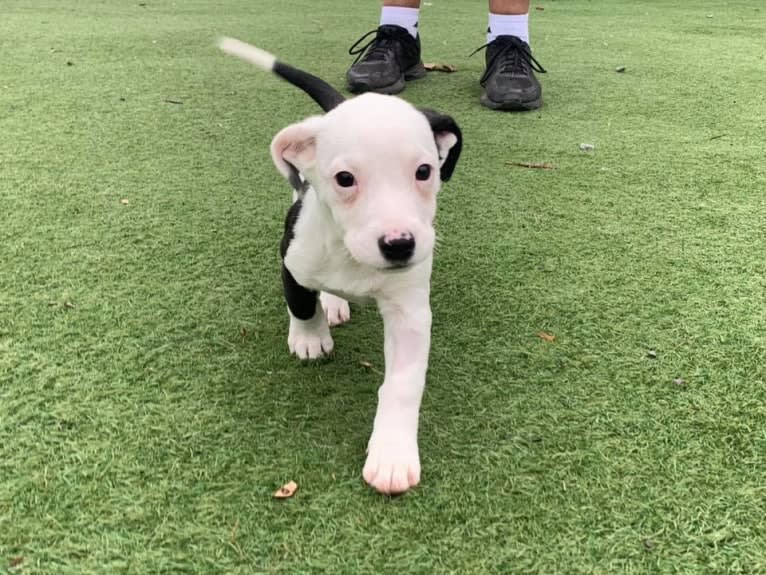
column 414, row 73
column 511, row 106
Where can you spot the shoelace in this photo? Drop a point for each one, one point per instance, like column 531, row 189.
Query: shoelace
column 514, row 55
column 378, row 46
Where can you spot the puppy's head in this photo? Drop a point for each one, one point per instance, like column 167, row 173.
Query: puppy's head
column 376, row 163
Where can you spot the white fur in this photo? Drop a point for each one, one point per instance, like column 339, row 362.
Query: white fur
column 335, row 308
column 247, row 52
column 311, row 338
column 381, row 140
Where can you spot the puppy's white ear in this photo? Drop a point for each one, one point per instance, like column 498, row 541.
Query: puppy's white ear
column 294, row 147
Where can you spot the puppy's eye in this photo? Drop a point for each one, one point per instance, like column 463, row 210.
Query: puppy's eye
column 423, row 172
column 345, row 179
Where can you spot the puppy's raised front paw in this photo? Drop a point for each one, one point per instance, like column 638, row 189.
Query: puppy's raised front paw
column 309, row 342
column 393, row 464
column 336, row 308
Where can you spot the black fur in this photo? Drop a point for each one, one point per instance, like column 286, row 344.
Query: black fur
column 322, row 93
column 289, row 234
column 443, row 123
column 300, row 301
column 299, row 184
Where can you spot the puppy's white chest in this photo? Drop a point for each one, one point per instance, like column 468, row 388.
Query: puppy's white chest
column 331, row 270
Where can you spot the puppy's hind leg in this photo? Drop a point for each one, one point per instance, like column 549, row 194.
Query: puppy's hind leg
column 336, row 308
column 309, row 336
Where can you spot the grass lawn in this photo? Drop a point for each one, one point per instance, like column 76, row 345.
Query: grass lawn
column 148, row 404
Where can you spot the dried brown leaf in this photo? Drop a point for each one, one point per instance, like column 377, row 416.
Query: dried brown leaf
column 544, row 335
column 287, row 490
column 439, row 67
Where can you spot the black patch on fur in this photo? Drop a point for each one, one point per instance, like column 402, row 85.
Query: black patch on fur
column 300, row 301
column 289, row 233
column 443, row 123
column 320, row 91
column 299, row 184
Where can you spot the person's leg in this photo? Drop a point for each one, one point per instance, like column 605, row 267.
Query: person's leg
column 403, row 13
column 508, row 18
column 509, row 7
column 509, row 81
column 393, row 55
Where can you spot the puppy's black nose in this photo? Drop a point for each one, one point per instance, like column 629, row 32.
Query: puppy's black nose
column 397, row 248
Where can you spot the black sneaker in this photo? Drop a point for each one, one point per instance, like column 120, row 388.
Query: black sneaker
column 391, row 57
column 509, row 81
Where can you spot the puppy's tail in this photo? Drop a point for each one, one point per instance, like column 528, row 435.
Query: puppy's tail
column 322, row 93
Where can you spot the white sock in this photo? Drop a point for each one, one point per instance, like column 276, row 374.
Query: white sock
column 405, row 17
column 508, row 25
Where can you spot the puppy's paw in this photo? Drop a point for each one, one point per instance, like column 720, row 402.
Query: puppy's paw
column 393, row 464
column 309, row 340
column 336, row 308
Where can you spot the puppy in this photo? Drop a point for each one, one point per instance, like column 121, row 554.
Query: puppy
column 366, row 175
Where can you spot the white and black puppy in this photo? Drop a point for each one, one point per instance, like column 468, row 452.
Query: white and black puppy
column 366, row 176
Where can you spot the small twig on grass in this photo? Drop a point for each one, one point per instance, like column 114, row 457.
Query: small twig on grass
column 173, row 101
column 533, row 165
column 369, row 366
column 64, row 305
column 233, row 540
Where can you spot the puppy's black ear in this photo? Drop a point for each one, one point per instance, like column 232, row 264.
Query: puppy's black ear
column 449, row 140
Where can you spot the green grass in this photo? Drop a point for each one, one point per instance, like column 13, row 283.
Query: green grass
column 149, row 407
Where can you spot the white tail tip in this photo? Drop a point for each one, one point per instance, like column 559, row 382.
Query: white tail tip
column 247, row 52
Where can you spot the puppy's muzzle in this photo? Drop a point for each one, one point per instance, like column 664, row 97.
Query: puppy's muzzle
column 397, row 247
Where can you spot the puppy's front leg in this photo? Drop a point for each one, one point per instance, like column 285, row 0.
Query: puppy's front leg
column 309, row 336
column 393, row 462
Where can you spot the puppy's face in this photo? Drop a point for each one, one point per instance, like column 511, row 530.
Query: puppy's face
column 376, row 163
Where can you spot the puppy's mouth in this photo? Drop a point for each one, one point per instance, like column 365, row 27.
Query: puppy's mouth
column 394, row 267
column 397, row 267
